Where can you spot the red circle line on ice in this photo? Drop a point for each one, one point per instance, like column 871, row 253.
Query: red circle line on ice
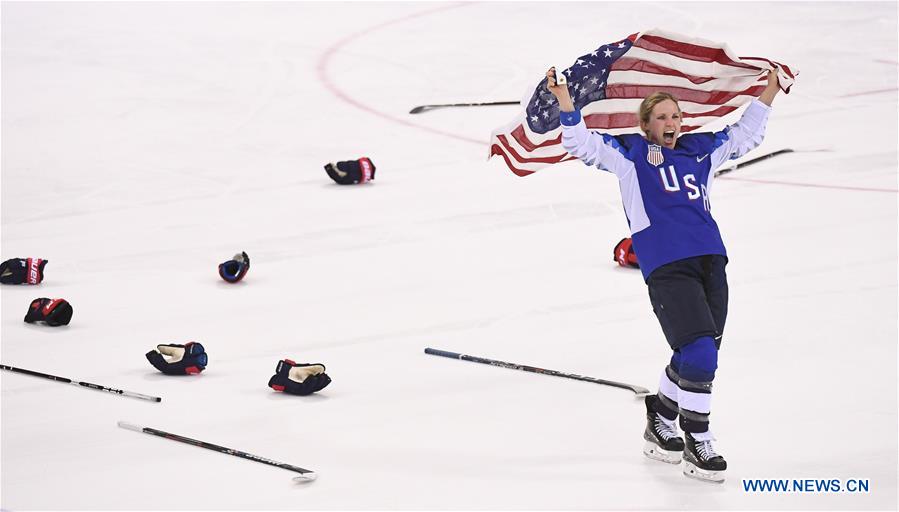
column 325, row 60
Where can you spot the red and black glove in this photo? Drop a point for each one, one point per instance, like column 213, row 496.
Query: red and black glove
column 22, row 271
column 54, row 312
column 624, row 254
column 299, row 379
column 187, row 359
column 351, row 172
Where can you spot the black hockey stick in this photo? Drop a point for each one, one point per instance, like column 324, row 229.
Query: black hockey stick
column 84, row 384
column 755, row 160
column 424, row 108
column 639, row 391
column 305, row 474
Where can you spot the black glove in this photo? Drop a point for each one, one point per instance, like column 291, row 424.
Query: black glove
column 55, row 312
column 186, row 359
column 299, row 379
column 351, row 172
column 233, row 270
column 21, row 271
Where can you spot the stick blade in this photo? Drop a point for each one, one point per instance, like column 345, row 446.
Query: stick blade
column 305, row 477
column 130, row 426
column 419, row 109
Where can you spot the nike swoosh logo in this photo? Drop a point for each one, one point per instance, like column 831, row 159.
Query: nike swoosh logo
column 700, row 159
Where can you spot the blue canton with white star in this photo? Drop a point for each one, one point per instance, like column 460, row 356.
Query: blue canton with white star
column 586, row 84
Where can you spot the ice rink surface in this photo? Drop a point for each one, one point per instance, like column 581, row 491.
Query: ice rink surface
column 145, row 143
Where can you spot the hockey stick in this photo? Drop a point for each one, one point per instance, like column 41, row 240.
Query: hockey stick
column 424, row 108
column 639, row 391
column 305, row 474
column 766, row 156
column 84, row 384
column 755, row 160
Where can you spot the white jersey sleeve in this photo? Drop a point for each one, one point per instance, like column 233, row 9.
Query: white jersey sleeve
column 593, row 149
column 605, row 152
column 744, row 135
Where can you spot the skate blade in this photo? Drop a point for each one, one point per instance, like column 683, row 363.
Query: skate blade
column 655, row 452
column 690, row 470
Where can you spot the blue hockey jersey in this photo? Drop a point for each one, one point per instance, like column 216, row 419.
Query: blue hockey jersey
column 665, row 192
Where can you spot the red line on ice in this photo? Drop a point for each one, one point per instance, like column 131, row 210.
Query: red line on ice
column 325, row 59
column 878, row 91
column 813, row 185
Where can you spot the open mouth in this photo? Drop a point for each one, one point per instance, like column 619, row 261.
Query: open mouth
column 668, row 137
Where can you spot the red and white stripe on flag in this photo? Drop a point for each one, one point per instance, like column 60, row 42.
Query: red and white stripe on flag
column 705, row 76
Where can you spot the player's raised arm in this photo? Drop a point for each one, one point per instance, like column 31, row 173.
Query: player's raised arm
column 773, row 87
column 747, row 133
column 580, row 142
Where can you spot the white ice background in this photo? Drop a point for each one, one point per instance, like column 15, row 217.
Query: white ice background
column 144, row 143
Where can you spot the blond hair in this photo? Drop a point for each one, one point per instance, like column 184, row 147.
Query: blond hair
column 650, row 102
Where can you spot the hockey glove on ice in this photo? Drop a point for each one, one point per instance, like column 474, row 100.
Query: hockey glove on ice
column 233, row 270
column 351, row 172
column 54, row 312
column 624, row 254
column 299, row 379
column 186, row 359
column 22, row 271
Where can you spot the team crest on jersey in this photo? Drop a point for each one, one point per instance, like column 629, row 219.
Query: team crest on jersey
column 654, row 155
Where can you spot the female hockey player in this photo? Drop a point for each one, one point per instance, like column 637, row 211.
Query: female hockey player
column 665, row 179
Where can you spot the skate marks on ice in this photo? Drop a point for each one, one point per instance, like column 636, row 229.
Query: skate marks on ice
column 370, row 236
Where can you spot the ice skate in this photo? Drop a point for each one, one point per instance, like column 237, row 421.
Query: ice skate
column 701, row 461
column 663, row 442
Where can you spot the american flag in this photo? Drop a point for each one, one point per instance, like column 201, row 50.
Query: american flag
column 608, row 84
